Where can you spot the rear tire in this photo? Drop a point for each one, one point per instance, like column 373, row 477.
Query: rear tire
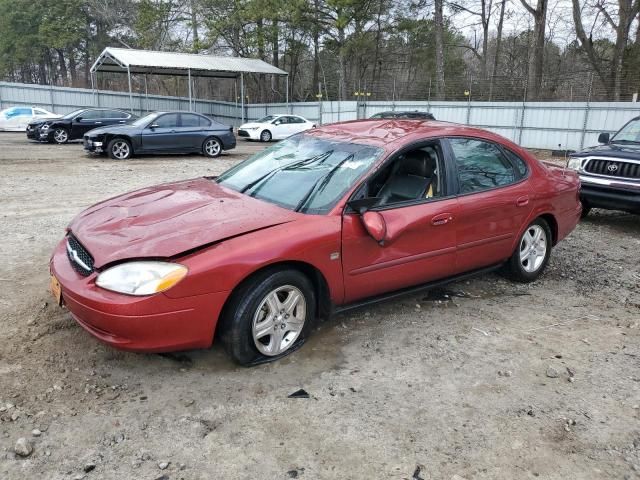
column 265, row 136
column 212, row 147
column 269, row 316
column 119, row 149
column 532, row 253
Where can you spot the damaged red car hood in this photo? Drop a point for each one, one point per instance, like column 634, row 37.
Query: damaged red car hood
column 169, row 219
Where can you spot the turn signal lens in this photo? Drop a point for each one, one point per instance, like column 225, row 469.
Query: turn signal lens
column 141, row 278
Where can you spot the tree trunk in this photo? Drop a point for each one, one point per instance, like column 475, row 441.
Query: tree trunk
column 496, row 58
column 536, row 57
column 194, row 27
column 343, row 64
column 63, row 67
column 73, row 69
column 439, row 33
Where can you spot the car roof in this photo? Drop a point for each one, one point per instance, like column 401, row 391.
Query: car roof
column 383, row 132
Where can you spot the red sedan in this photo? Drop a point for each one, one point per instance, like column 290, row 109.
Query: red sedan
column 326, row 220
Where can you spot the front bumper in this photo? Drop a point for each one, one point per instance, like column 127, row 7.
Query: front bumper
column 33, row 133
column 249, row 134
column 93, row 145
column 155, row 323
column 610, row 194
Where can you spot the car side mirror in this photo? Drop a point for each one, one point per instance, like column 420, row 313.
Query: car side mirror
column 375, row 225
column 603, row 138
column 154, row 125
column 78, row 119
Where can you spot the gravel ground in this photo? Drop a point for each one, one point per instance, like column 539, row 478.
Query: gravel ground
column 485, row 380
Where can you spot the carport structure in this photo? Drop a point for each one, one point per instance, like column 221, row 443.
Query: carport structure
column 145, row 62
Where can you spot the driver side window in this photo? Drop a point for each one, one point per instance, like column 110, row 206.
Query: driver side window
column 412, row 176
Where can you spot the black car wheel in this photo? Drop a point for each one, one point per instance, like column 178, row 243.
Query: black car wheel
column 212, row 147
column 269, row 316
column 60, row 136
column 265, row 136
column 119, row 149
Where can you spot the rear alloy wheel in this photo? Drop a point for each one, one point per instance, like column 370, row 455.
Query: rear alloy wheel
column 269, row 316
column 119, row 149
column 532, row 254
column 212, row 148
column 60, row 135
column 265, row 136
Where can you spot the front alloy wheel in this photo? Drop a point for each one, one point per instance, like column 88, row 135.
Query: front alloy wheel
column 60, row 135
column 268, row 316
column 119, row 149
column 279, row 320
column 265, row 136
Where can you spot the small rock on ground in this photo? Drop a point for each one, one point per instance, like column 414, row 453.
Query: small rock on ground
column 23, row 447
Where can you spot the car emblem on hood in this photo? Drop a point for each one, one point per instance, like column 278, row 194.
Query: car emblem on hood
column 612, row 168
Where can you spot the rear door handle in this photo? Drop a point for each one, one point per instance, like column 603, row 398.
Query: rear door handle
column 522, row 201
column 441, row 219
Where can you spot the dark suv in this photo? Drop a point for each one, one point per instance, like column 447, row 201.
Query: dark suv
column 610, row 173
column 74, row 125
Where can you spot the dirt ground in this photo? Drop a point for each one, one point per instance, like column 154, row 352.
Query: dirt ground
column 495, row 381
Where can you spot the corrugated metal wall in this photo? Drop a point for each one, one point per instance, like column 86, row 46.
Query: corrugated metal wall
column 545, row 125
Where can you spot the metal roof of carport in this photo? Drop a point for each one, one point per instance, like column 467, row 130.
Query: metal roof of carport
column 131, row 61
column 179, row 64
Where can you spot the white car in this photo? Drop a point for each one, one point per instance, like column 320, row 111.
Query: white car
column 16, row 119
column 274, row 127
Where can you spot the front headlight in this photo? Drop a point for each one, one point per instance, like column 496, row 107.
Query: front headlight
column 251, row 128
column 141, row 278
column 574, row 163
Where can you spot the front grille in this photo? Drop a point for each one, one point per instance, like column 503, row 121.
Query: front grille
column 243, row 133
column 80, row 259
column 613, row 168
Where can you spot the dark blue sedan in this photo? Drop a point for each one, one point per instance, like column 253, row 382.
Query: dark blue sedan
column 162, row 132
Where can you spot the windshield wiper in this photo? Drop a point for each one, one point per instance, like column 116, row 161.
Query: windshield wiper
column 268, row 175
column 321, row 182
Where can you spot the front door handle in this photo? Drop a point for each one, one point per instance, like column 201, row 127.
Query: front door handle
column 522, row 201
column 441, row 219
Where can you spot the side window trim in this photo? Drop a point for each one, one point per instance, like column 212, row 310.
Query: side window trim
column 454, row 165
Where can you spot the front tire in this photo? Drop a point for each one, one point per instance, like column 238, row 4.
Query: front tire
column 212, row 147
column 532, row 254
column 60, row 136
column 119, row 149
column 269, row 316
column 265, row 136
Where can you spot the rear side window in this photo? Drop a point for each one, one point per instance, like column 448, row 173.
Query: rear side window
column 481, row 165
column 114, row 114
column 191, row 120
column 520, row 164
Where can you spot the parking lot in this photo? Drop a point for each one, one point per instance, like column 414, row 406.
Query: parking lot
column 485, row 380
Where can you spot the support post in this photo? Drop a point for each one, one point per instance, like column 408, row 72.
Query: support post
column 287, row 94
column 235, row 95
column 586, row 115
column 189, row 77
column 242, row 97
column 524, row 106
column 130, row 94
column 93, row 89
column 53, row 106
column 146, row 94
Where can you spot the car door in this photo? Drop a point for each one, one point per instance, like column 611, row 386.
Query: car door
column 160, row 134
column 280, row 128
column 423, row 245
column 297, row 125
column 113, row 117
column 494, row 201
column 190, row 132
column 85, row 121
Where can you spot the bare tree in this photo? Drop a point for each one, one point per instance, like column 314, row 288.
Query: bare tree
column 609, row 70
column 536, row 55
column 439, row 33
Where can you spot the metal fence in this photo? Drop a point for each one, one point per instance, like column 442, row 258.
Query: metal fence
column 543, row 125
